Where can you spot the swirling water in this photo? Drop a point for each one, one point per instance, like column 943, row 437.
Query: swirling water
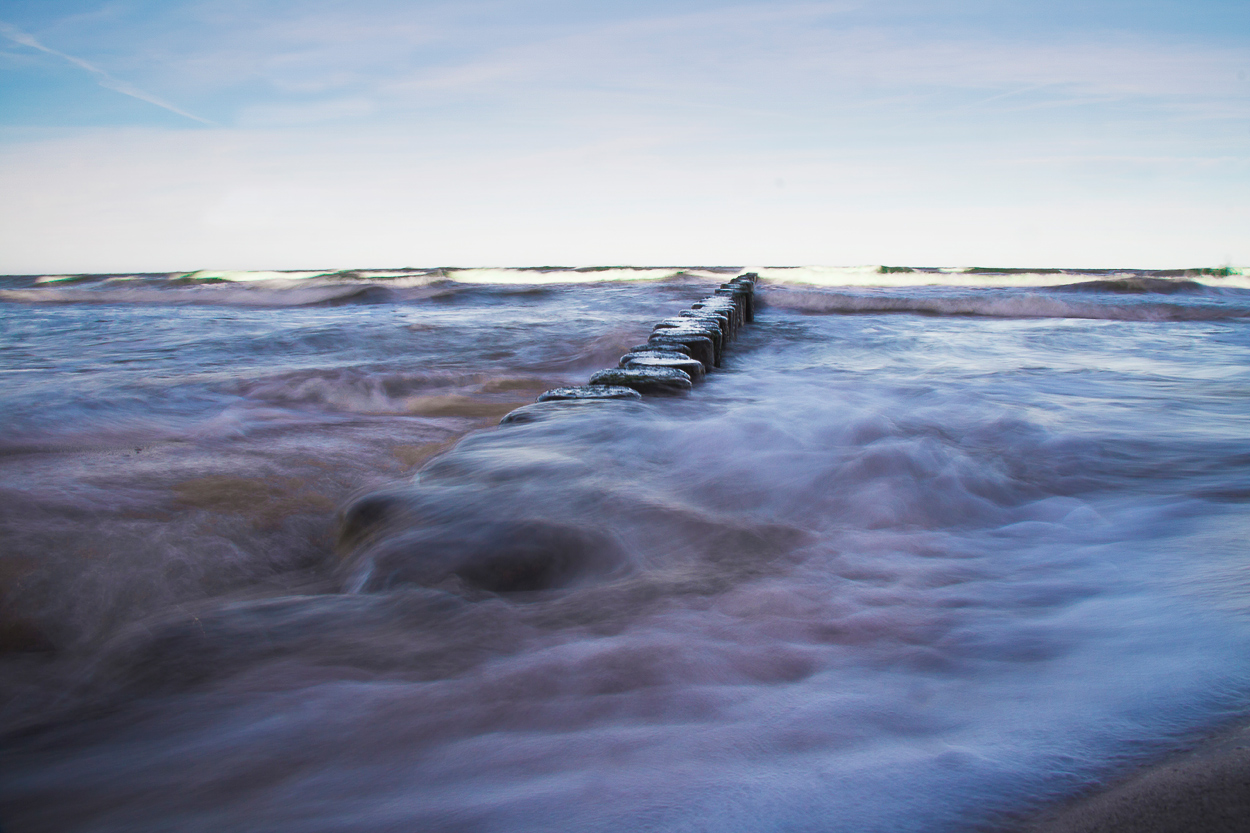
column 915, row 559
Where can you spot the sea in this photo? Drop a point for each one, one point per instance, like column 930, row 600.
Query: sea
column 931, row 549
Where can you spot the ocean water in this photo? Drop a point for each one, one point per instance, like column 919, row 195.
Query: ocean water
column 930, row 549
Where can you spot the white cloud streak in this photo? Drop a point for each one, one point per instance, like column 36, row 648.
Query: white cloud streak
column 103, row 78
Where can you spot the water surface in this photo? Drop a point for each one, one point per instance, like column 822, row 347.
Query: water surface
column 916, row 557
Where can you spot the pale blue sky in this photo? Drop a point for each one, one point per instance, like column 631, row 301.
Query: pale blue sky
column 142, row 135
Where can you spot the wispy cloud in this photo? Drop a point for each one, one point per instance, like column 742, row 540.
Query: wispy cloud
column 802, row 61
column 510, row 131
column 103, row 78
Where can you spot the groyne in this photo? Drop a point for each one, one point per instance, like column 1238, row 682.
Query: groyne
column 476, row 520
column 678, row 355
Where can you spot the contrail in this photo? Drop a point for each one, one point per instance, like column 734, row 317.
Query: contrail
column 103, row 78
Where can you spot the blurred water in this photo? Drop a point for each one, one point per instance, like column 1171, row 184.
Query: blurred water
column 909, row 568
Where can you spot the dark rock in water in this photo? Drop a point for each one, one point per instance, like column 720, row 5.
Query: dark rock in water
column 718, row 303
column 711, row 333
column 539, row 411
column 723, row 298
column 372, row 512
column 662, row 380
column 463, row 526
column 693, row 318
column 504, row 556
column 589, row 392
column 749, row 288
column 741, row 296
column 556, row 408
column 725, row 305
column 532, row 556
column 670, row 348
column 691, row 367
column 654, row 353
column 721, row 317
column 693, row 327
column 548, row 404
column 685, row 322
column 700, row 346
column 709, row 326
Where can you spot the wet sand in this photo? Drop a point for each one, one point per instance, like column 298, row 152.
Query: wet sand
column 1206, row 788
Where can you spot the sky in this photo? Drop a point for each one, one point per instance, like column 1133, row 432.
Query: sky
column 169, row 135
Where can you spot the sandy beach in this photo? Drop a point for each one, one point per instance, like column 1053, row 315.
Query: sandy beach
column 1206, row 788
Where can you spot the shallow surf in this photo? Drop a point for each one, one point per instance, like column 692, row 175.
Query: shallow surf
column 916, row 558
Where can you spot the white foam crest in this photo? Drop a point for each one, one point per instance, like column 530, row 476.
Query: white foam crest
column 250, row 296
column 884, row 276
column 248, row 276
column 395, row 278
column 423, row 275
column 407, row 280
column 832, row 276
column 556, row 276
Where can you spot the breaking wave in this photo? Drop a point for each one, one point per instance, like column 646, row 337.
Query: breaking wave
column 982, row 277
column 249, row 296
column 1118, row 303
column 295, row 289
column 358, row 286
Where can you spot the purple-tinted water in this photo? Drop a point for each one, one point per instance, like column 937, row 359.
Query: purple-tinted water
column 913, row 558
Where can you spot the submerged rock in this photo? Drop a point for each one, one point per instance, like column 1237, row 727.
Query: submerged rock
column 750, row 297
column 742, row 294
column 722, row 319
column 661, row 380
column 668, row 348
column 465, row 526
column 692, row 368
column 363, row 517
column 504, row 556
column 696, row 318
column 591, row 391
column 556, row 402
column 707, row 325
column 555, row 408
column 696, row 327
column 724, row 305
column 653, row 352
column 683, row 334
column 700, row 346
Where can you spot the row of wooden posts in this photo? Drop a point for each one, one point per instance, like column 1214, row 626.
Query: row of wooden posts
column 679, row 353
